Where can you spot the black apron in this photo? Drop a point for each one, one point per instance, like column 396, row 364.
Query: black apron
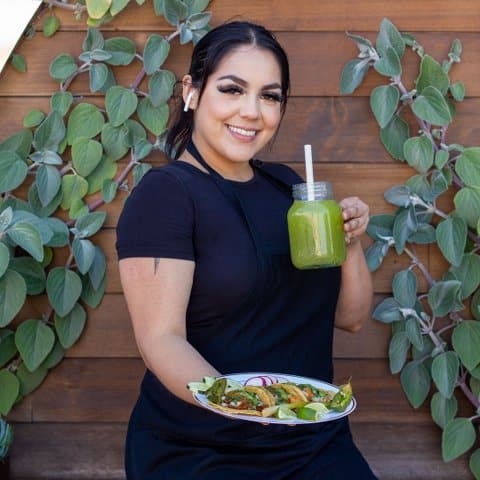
column 171, row 439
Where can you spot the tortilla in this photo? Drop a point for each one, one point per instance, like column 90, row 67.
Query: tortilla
column 296, row 395
column 262, row 394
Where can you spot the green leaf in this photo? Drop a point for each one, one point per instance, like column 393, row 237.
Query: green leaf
column 389, row 37
column 63, row 288
column 91, row 296
column 467, row 203
column 38, row 223
column 70, row 327
column 394, row 135
column 142, row 149
column 34, row 341
column 120, row 103
column 38, row 208
column 118, row 6
column 86, row 120
column 7, row 346
column 405, row 224
column 114, row 141
column 61, row 102
column 441, row 158
column 4, row 258
column 30, row 381
column 389, row 64
column 432, row 107
column 418, row 152
column 424, row 234
column 77, row 209
column 86, row 155
column 158, row 7
column 154, row 118
column 467, row 166
column 48, row 183
column 139, row 171
column 414, row 334
column 405, row 288
column 6, row 218
column 109, row 190
column 475, row 305
column 98, row 76
column 353, row 74
column 54, row 357
column 380, row 227
column 458, row 437
column 445, row 372
column 62, row 67
column 109, row 82
column 32, row 272
column 155, row 53
column 93, row 40
column 121, row 49
column 50, row 132
column 443, row 296
column 197, row 21
column 443, row 409
column 186, row 34
column 375, row 254
column 27, row 237
column 19, row 63
column 60, row 231
column 98, row 268
column 397, row 351
column 90, row 224
column 458, row 91
column 432, row 74
column 74, row 188
column 135, row 132
column 13, row 171
column 415, row 382
column 84, row 253
column 97, row 8
column 468, row 272
column 9, row 390
column 474, row 464
column 19, row 143
column 106, row 169
column 388, row 311
column 466, row 342
column 33, row 118
column 174, row 11
column 161, row 85
column 50, row 25
column 384, row 102
column 196, row 6
column 451, row 238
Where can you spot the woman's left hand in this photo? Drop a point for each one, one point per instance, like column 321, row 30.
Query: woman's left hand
column 355, row 217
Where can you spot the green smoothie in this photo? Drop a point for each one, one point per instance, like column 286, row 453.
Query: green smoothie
column 317, row 239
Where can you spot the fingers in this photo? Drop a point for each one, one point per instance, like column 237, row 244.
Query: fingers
column 355, row 215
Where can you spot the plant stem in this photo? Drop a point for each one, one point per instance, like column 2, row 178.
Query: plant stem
column 66, row 6
column 416, row 262
column 138, row 79
column 468, row 393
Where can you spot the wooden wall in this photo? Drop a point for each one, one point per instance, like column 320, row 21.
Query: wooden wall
column 74, row 425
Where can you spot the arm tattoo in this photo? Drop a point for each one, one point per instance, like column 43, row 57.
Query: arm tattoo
column 156, row 261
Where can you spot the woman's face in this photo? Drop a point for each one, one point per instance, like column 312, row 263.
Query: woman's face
column 239, row 110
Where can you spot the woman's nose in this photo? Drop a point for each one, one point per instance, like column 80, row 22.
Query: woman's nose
column 250, row 107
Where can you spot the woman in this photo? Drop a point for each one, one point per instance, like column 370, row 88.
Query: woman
column 205, row 267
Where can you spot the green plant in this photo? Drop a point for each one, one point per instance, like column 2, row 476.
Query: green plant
column 67, row 162
column 435, row 334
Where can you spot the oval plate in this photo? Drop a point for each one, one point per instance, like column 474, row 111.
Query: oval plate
column 262, row 379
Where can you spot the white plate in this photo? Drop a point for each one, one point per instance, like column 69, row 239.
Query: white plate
column 256, row 378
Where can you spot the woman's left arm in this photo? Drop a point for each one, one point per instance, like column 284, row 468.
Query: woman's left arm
column 356, row 291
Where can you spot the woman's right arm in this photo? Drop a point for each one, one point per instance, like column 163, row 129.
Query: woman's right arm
column 157, row 291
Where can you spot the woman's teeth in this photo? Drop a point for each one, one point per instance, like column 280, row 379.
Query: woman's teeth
column 242, row 131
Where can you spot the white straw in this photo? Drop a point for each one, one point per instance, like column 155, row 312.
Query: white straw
column 309, row 171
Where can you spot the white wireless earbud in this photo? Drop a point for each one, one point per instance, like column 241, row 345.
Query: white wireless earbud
column 187, row 102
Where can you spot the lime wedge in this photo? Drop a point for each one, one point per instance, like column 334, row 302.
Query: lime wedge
column 285, row 413
column 306, row 413
column 196, row 387
column 319, row 407
column 270, row 411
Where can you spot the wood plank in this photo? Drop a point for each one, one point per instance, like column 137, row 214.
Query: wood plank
column 95, row 451
column 340, row 129
column 316, row 61
column 105, row 390
column 440, row 15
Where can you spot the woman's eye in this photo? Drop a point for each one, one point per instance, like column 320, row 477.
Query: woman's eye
column 272, row 97
column 230, row 89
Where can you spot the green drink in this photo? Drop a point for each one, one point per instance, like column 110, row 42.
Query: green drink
column 315, row 227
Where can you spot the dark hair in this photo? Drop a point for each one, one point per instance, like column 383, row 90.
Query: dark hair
column 206, row 57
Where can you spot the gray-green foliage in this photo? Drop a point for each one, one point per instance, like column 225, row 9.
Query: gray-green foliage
column 435, row 340
column 48, row 173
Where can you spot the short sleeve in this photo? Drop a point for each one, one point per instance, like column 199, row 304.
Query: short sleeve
column 157, row 219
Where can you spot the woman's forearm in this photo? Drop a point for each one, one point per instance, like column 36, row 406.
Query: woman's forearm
column 175, row 363
column 356, row 291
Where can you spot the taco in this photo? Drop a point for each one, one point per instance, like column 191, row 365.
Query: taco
column 286, row 393
column 245, row 401
column 315, row 394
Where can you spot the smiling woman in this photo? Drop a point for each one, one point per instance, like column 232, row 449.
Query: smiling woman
column 206, row 272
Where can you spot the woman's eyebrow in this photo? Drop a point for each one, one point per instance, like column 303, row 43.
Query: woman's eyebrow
column 244, row 83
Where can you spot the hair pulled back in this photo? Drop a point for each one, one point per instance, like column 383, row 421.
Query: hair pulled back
column 207, row 55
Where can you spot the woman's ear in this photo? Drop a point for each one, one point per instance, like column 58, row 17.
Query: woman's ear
column 189, row 93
